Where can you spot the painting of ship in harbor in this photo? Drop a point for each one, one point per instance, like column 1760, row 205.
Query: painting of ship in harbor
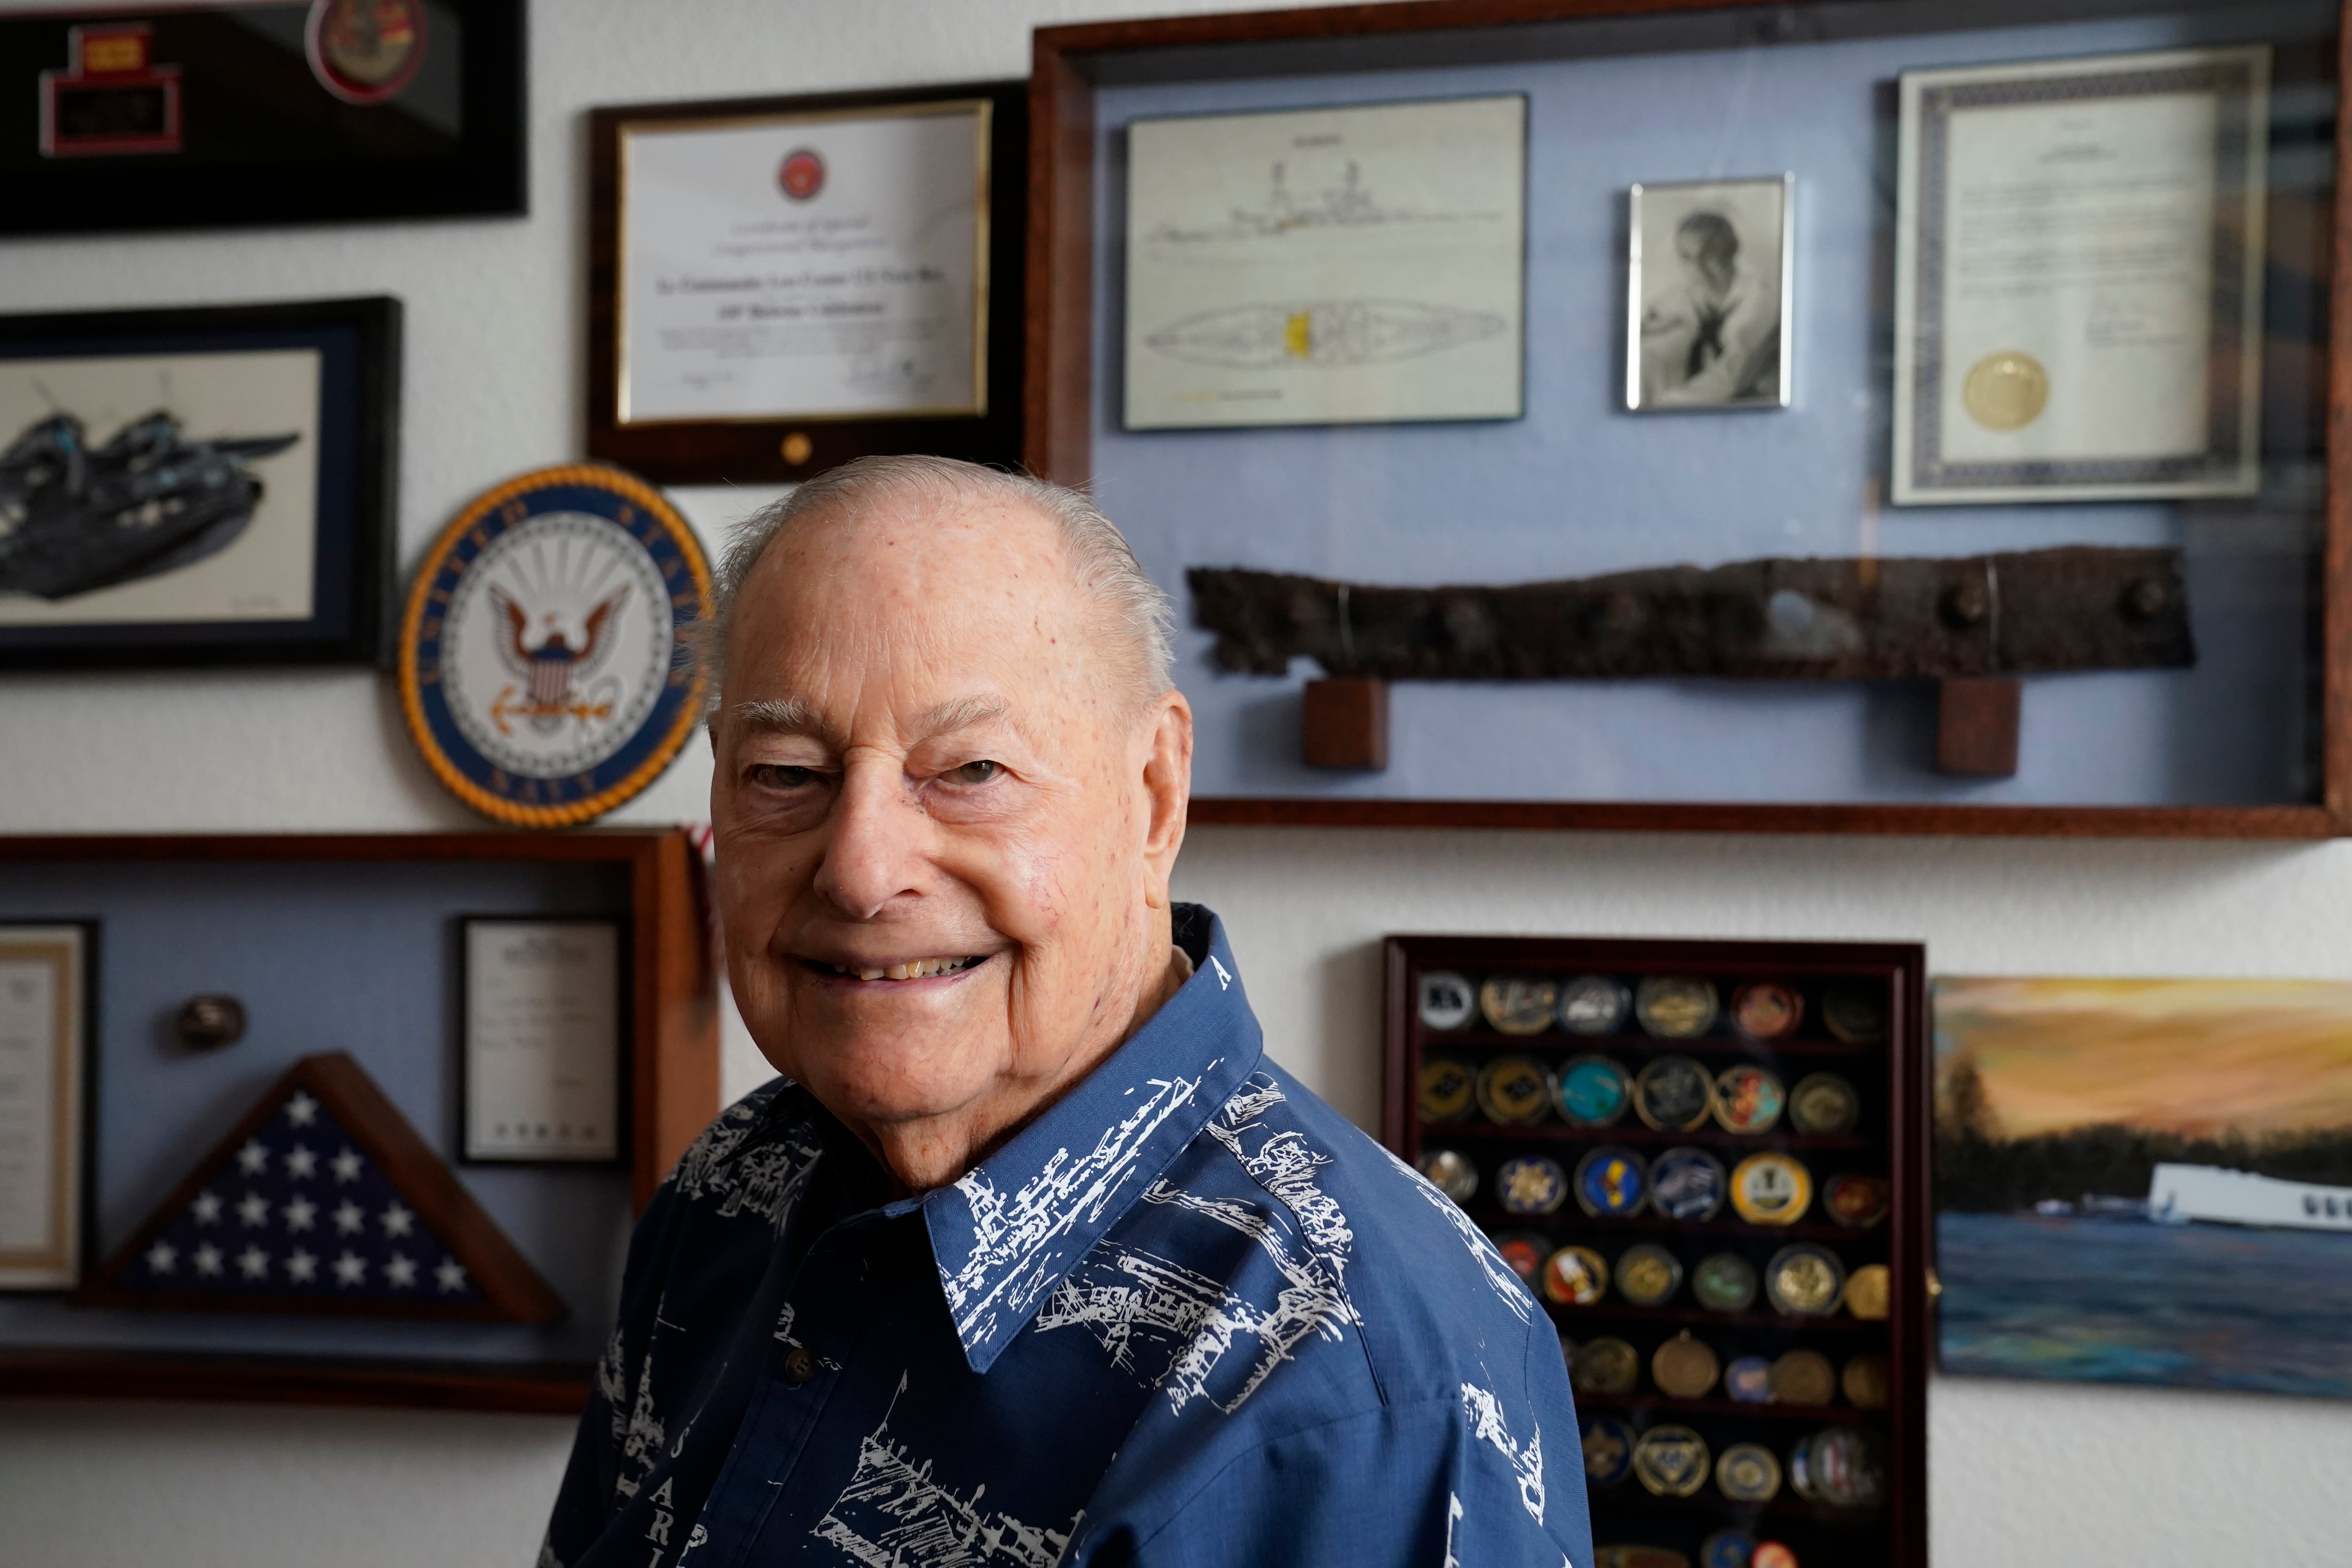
column 2146, row 1181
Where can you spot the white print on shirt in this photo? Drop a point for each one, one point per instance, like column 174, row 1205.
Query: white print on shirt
column 766, row 1181
column 1498, row 1273
column 1452, row 1518
column 1015, row 1254
column 1485, row 1413
column 892, row 1514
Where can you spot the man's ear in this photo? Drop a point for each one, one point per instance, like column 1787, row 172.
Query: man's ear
column 1168, row 790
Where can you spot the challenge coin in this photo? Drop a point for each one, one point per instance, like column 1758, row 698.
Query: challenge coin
column 1801, row 1378
column 1856, row 1202
column 1804, row 1280
column 1684, row 1368
column 1670, row 1460
column 1724, row 1282
column 1674, row 1094
column 1865, row 1381
column 1608, row 1450
column 1748, row 1380
column 1451, row 1173
column 1575, row 1277
column 1727, row 1549
column 1531, row 1185
column 1675, row 1007
column 1687, row 1185
column 1801, row 1469
column 1517, row 1005
column 1593, row 1004
column 1766, row 1010
column 1611, row 1183
column 1748, row 1098
column 1605, row 1365
column 1847, row 1464
column 1447, row 1002
column 1865, row 1292
column 2006, row 390
column 1525, row 1252
column 1592, row 1091
column 1771, row 1189
column 1648, row 1274
column 1514, row 1091
column 1446, row 1088
column 1748, row 1472
column 1855, row 1012
column 1771, row 1554
column 1823, row 1102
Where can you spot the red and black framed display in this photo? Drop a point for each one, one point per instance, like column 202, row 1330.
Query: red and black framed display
column 1708, row 1161
column 779, row 285
column 206, row 115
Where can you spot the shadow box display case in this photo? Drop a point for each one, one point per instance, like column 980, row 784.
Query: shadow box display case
column 1901, row 417
column 351, row 1120
column 1708, row 1161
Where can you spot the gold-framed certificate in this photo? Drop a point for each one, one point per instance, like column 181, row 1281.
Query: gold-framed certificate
column 2079, row 256
column 542, row 1040
column 44, row 1103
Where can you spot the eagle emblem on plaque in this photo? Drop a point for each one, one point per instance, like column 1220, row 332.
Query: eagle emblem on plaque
column 551, row 667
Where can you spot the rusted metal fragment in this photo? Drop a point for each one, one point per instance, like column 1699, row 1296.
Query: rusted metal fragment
column 2081, row 607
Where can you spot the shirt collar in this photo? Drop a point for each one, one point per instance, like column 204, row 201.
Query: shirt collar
column 1006, row 1234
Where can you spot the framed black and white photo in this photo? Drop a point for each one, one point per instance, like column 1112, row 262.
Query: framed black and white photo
column 542, row 1041
column 45, row 1068
column 1710, row 281
column 209, row 485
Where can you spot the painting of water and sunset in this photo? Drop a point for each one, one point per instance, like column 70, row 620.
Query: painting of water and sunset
column 2146, row 1181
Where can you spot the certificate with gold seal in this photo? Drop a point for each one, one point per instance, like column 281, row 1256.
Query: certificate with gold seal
column 2079, row 260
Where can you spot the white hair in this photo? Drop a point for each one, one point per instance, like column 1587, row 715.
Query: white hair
column 1139, row 617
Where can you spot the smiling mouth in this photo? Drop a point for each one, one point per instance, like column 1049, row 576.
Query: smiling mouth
column 917, row 969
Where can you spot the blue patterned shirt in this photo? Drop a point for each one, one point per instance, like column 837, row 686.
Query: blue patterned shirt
column 1190, row 1315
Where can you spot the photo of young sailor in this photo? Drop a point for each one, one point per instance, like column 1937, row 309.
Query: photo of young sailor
column 1708, row 295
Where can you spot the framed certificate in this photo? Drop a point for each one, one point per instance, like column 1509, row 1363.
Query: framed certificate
column 781, row 285
column 2079, row 263
column 542, row 1041
column 45, row 1103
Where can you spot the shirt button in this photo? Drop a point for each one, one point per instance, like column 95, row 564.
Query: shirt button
column 799, row 1366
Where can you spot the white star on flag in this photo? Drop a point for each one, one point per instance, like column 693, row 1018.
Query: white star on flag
column 253, row 1209
column 208, row 1259
column 206, row 1209
column 162, row 1257
column 350, row 1268
column 450, row 1274
column 398, row 1221
column 253, row 1158
column 253, row 1263
column 400, row 1270
column 300, row 1213
column 302, row 1163
column 302, row 1267
column 350, row 1219
column 347, row 1166
column 301, row 1110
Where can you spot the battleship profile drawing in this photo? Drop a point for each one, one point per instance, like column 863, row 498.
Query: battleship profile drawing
column 1323, row 334
column 75, row 518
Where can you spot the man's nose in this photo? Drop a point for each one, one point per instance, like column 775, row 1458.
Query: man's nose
column 880, row 841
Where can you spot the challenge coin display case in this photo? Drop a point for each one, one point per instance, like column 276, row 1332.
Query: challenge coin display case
column 1708, row 1161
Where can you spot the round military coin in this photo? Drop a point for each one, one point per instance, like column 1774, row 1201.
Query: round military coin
column 1648, row 1274
column 1575, row 1277
column 365, row 51
column 1767, row 1010
column 1854, row 1201
column 1611, row 1183
column 1687, row 1185
column 1445, row 1089
column 1855, row 1012
column 1593, row 1004
column 1847, row 1464
column 1673, row 1093
column 1804, row 1280
column 1684, row 1368
column 1801, row 1469
column 1748, row 1472
column 1525, row 1252
column 1530, row 1184
column 1514, row 1091
column 1748, row 1098
column 2006, row 390
column 1518, row 1005
column 1801, row 1378
column 1771, row 1554
column 1865, row 1381
column 1724, row 1282
column 1592, row 1091
column 1606, row 1365
column 1727, row 1549
column 1670, row 1460
column 1748, row 1380
column 1675, row 1007
column 1771, row 1189
column 1865, row 1292
column 1823, row 1102
column 1447, row 1000
column 1451, row 1173
column 1608, row 1450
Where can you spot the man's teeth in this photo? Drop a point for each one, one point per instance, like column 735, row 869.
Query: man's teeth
column 920, row 969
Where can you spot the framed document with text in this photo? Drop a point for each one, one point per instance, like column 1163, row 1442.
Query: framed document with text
column 45, row 1060
column 781, row 285
column 2079, row 272
column 542, row 1040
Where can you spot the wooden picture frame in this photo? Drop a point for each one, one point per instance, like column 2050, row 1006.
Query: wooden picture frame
column 786, row 445
column 1074, row 65
column 69, row 951
column 472, row 1145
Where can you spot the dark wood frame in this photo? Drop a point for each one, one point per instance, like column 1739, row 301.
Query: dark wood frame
column 1909, row 1225
column 1068, row 62
column 352, row 619
column 752, row 451
column 673, row 1020
column 465, row 972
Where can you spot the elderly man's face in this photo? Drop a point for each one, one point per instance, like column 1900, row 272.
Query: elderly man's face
column 945, row 825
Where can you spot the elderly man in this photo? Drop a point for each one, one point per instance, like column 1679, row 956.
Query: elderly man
column 1031, row 1256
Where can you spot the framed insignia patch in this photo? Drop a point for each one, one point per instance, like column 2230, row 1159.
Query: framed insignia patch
column 544, row 670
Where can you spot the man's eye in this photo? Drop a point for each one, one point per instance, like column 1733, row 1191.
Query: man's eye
column 783, row 775
column 976, row 772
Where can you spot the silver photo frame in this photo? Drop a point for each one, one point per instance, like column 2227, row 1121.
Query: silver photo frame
column 1710, row 277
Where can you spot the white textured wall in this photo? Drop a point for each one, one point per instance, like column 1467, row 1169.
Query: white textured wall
column 2021, row 1475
